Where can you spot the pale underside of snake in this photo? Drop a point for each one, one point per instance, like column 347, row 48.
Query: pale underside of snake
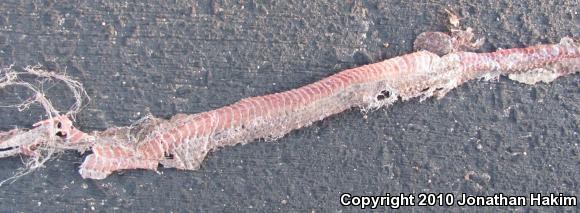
column 183, row 141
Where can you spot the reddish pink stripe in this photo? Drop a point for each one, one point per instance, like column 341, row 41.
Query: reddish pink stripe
column 108, row 165
column 298, row 100
column 98, row 163
column 328, row 86
column 244, row 111
column 124, row 164
column 157, row 149
column 261, row 106
column 407, row 63
column 195, row 129
column 325, row 88
column 192, row 129
column 332, row 84
column 282, row 101
column 118, row 153
column 204, row 124
column 563, row 51
column 142, row 149
column 96, row 149
column 214, row 122
column 76, row 136
column 357, row 75
column 185, row 133
column 319, row 90
column 271, row 103
column 90, row 161
column 354, row 75
column 397, row 67
column 236, row 115
column 289, row 99
column 315, row 93
column 304, row 96
column 347, row 77
column 402, row 64
column 339, row 82
column 177, row 136
column 167, row 138
column 346, row 80
column 149, row 151
column 220, row 116
column 276, row 102
column 375, row 72
column 254, row 109
column 311, row 96
column 299, row 97
column 386, row 69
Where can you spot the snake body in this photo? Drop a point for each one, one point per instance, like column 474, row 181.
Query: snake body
column 183, row 141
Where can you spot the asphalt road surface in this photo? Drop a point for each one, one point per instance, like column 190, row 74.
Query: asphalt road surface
column 166, row 57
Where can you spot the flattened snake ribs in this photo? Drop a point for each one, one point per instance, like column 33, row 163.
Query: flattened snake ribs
column 183, row 141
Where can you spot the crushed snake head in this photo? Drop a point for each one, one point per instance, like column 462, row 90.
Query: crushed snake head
column 56, row 132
